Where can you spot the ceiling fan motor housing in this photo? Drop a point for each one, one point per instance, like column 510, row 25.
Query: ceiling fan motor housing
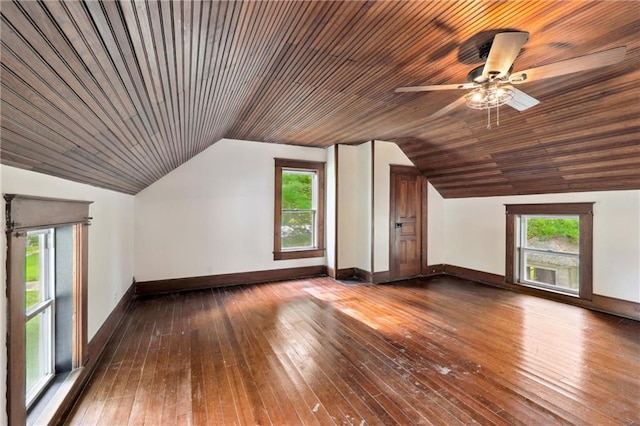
column 475, row 75
column 484, row 49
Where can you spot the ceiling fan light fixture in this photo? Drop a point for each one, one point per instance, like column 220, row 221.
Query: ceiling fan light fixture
column 490, row 96
column 477, row 96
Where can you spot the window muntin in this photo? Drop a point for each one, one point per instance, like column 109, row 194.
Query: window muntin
column 299, row 209
column 39, row 311
column 549, row 252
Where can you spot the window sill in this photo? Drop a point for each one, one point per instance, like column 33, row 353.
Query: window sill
column 550, row 289
column 45, row 410
column 298, row 254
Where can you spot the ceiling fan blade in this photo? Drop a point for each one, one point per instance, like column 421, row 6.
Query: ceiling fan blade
column 436, row 87
column 455, row 104
column 521, row 101
column 570, row 66
column 504, row 50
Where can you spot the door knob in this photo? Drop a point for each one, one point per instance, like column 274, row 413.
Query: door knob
column 398, row 225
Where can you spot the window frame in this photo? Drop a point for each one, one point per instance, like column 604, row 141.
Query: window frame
column 25, row 213
column 319, row 238
column 584, row 212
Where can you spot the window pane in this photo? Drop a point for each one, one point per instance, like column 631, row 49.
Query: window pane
column 297, row 229
column 554, row 234
column 547, row 276
column 552, row 269
column 32, row 269
column 38, row 351
column 297, row 190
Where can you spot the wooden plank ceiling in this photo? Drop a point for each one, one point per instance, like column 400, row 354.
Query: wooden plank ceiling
column 117, row 94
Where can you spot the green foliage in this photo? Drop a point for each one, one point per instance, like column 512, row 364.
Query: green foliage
column 32, row 297
column 32, row 267
column 297, row 191
column 297, row 229
column 32, row 243
column 297, row 194
column 32, row 350
column 545, row 228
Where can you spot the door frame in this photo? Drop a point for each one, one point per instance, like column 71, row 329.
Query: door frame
column 410, row 170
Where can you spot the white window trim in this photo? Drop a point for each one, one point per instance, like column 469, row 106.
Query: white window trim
column 47, row 268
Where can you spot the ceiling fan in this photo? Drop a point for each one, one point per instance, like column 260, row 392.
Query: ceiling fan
column 492, row 83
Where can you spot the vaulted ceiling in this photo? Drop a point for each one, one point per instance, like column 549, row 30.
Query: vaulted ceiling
column 117, row 94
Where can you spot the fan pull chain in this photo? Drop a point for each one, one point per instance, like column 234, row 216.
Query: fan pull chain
column 489, row 116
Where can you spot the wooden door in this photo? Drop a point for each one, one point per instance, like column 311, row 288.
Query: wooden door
column 405, row 238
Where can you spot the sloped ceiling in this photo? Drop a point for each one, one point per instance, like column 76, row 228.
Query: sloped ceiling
column 117, row 94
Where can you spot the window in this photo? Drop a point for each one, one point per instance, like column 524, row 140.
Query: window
column 47, row 289
column 549, row 251
column 39, row 309
column 299, row 209
column 549, row 246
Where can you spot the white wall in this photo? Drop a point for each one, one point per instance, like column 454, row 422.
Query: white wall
column 110, row 247
column 214, row 214
column 474, row 231
column 110, row 235
column 363, row 207
column 347, row 206
column 330, row 206
column 435, row 223
column 354, row 206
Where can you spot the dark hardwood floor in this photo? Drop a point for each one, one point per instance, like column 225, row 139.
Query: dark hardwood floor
column 429, row 351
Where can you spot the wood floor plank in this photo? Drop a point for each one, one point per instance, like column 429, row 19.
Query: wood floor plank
column 327, row 362
column 111, row 361
column 540, row 371
column 439, row 364
column 255, row 363
column 220, row 404
column 439, row 351
column 360, row 388
column 424, row 401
